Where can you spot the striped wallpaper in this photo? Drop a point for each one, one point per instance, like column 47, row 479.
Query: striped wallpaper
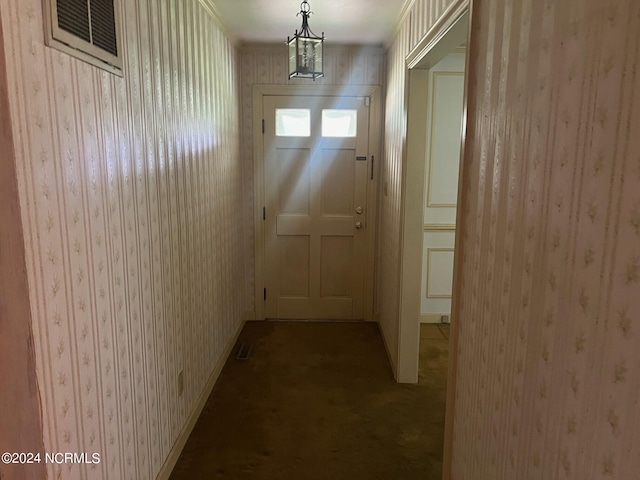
column 131, row 191
column 548, row 381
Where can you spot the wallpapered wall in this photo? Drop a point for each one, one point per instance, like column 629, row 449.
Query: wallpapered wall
column 548, row 382
column 20, row 425
column 417, row 21
column 268, row 65
column 131, row 190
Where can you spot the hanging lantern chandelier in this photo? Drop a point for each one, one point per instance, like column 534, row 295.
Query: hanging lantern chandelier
column 305, row 49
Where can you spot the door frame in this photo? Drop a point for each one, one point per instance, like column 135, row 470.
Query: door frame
column 375, row 115
column 454, row 24
column 439, row 41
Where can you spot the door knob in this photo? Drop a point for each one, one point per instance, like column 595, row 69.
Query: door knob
column 358, row 225
column 359, row 210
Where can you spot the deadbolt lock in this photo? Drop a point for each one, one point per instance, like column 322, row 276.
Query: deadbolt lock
column 359, row 210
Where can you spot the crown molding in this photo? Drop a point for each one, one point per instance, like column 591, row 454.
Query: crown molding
column 446, row 29
column 211, row 8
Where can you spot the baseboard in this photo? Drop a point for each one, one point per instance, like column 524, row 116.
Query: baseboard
column 392, row 362
column 249, row 316
column 432, row 317
column 181, row 441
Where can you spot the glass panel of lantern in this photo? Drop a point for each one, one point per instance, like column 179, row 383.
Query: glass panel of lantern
column 305, row 57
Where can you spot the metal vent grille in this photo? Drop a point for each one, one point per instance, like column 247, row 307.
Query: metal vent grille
column 244, row 352
column 73, row 17
column 103, row 25
column 91, row 20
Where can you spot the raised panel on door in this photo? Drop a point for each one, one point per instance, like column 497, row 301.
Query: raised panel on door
column 337, row 181
column 437, row 272
column 293, row 263
column 336, row 254
column 315, row 182
column 293, row 180
column 444, row 133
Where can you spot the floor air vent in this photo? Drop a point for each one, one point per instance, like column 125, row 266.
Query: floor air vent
column 244, row 352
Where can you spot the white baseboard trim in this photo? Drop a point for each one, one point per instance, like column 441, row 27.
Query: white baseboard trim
column 432, row 317
column 181, row 441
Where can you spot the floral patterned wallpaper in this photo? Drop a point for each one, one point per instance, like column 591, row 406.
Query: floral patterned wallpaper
column 131, row 191
column 548, row 385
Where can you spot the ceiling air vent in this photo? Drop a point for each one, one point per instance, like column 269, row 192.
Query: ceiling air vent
column 86, row 29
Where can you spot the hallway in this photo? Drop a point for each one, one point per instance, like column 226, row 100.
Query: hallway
column 318, row 401
column 133, row 214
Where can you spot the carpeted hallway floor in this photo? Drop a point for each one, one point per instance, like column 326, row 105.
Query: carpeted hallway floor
column 317, row 401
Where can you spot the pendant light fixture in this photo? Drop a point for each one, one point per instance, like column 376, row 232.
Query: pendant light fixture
column 305, row 49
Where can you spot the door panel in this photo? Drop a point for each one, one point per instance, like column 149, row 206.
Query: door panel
column 294, row 180
column 294, row 251
column 336, row 252
column 337, row 180
column 315, row 229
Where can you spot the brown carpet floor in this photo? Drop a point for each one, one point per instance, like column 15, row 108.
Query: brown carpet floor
column 317, row 401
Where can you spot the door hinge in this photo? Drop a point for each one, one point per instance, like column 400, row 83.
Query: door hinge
column 265, row 294
column 263, row 126
column 264, row 213
column 373, row 162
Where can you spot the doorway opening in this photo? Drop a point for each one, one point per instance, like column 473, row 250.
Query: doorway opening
column 436, row 127
column 445, row 108
column 435, row 137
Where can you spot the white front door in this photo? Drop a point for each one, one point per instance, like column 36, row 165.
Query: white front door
column 316, row 169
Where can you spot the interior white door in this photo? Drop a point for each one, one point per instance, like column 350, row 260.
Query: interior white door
column 444, row 123
column 316, row 166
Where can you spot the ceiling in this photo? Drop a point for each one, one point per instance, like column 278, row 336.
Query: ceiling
column 366, row 22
